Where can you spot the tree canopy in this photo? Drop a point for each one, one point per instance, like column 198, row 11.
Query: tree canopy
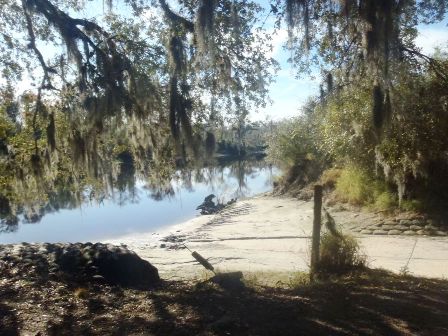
column 171, row 63
column 157, row 79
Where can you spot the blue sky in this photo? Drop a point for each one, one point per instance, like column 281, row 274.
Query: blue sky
column 289, row 93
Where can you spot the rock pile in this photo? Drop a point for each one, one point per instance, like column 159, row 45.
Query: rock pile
column 411, row 226
column 106, row 263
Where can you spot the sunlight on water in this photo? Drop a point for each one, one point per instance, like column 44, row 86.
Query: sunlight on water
column 141, row 209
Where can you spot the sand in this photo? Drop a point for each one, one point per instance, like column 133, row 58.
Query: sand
column 272, row 234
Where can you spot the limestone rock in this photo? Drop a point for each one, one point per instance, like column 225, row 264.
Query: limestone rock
column 406, row 222
column 380, row 232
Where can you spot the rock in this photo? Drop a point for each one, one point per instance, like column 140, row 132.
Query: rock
column 422, row 232
column 365, row 231
column 400, row 227
column 405, row 222
column 379, row 232
column 415, row 227
column 126, row 269
column 387, row 227
column 116, row 265
column 70, row 260
column 393, row 232
column 162, row 245
column 390, row 223
column 441, row 233
column 409, row 233
column 374, row 227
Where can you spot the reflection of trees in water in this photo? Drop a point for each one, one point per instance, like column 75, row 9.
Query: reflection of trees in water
column 34, row 197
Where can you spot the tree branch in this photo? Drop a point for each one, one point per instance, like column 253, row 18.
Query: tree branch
column 175, row 18
column 434, row 64
column 46, row 83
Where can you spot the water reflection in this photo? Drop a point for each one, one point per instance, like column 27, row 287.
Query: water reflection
column 128, row 202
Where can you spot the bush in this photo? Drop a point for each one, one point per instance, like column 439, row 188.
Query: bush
column 354, row 186
column 339, row 254
column 385, row 201
column 412, row 205
column 330, row 177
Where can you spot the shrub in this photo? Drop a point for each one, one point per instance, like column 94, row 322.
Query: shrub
column 339, row 254
column 329, row 177
column 354, row 186
column 385, row 201
column 412, row 205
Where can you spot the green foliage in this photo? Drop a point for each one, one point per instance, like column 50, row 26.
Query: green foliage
column 355, row 186
column 412, row 205
column 330, row 177
column 345, row 126
column 295, row 142
column 402, row 160
column 339, row 254
column 385, row 201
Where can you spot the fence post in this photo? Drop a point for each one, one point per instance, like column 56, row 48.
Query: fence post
column 316, row 230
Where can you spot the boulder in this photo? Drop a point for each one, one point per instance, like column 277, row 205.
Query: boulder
column 125, row 268
column 117, row 265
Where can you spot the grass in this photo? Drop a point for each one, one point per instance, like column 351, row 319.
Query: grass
column 356, row 186
column 330, row 177
column 287, row 280
column 385, row 201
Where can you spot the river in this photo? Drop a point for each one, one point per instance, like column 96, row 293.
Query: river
column 140, row 208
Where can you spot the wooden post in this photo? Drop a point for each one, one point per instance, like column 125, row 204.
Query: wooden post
column 316, row 230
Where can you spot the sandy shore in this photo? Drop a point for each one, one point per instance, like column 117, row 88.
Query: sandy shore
column 267, row 233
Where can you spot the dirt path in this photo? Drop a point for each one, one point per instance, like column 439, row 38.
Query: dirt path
column 268, row 233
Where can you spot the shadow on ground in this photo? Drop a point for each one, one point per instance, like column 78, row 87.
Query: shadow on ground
column 369, row 303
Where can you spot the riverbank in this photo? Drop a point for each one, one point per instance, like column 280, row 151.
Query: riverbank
column 267, row 239
column 272, row 234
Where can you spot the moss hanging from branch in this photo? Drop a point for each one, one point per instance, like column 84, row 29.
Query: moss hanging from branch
column 101, row 67
column 378, row 106
column 298, row 13
column 204, row 26
column 51, row 130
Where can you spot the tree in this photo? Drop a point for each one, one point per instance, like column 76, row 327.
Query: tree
column 353, row 39
column 139, row 70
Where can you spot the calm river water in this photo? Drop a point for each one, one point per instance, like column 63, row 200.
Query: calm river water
column 142, row 210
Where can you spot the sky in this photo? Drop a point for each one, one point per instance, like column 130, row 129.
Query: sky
column 288, row 94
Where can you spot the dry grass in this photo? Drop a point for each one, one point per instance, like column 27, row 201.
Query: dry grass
column 371, row 302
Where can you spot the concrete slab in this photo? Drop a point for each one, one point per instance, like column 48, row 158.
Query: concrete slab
column 273, row 234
